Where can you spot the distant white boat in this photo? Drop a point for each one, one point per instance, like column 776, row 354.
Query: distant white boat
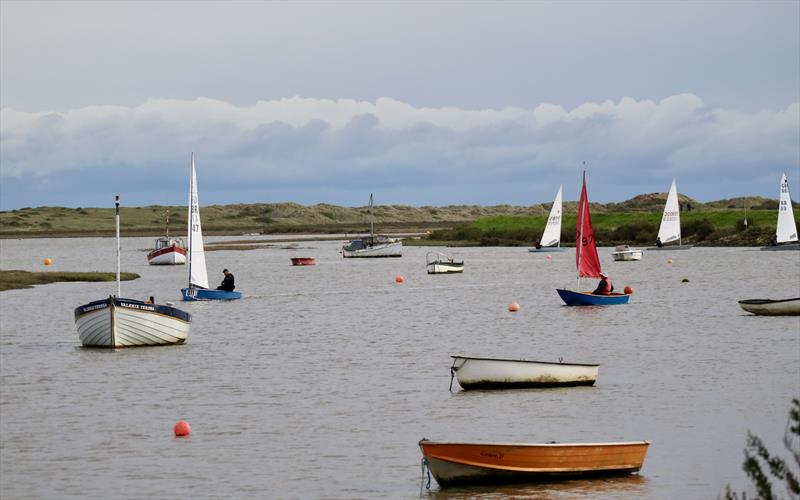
column 119, row 322
column 551, row 238
column 439, row 263
column 490, row 373
column 770, row 307
column 374, row 245
column 167, row 252
column 786, row 232
column 626, row 253
column 670, row 229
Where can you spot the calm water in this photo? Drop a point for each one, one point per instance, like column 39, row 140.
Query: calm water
column 321, row 381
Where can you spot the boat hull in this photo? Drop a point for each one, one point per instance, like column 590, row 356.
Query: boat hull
column 119, row 322
column 548, row 249
column 768, row 307
column 485, row 373
column 445, row 267
column 393, row 249
column 627, row 255
column 784, row 246
column 303, row 261
column 476, row 463
column 572, row 298
column 194, row 294
column 167, row 256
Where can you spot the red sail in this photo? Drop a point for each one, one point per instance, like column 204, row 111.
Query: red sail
column 586, row 259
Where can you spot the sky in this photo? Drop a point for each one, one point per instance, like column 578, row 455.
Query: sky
column 421, row 103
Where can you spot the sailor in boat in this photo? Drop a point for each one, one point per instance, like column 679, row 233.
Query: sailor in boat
column 227, row 282
column 537, row 244
column 658, row 242
column 151, row 300
column 605, row 287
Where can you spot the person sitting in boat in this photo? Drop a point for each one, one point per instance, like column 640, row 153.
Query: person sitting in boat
column 605, row 287
column 658, row 242
column 227, row 283
column 151, row 300
column 537, row 244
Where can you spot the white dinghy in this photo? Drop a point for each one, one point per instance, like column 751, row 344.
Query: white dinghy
column 492, row 373
column 439, row 263
column 770, row 307
column 786, row 233
column 551, row 238
column 624, row 253
column 670, row 229
column 119, row 322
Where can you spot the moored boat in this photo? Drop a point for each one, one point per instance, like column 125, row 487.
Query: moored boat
column 439, row 263
column 494, row 373
column 575, row 298
column 303, row 261
column 198, row 276
column 167, row 252
column 670, row 229
column 551, row 238
column 476, row 463
column 770, row 307
column 786, row 232
column 624, row 253
column 374, row 245
column 120, row 322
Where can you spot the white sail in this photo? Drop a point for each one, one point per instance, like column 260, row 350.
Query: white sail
column 670, row 229
column 197, row 257
column 552, row 232
column 787, row 231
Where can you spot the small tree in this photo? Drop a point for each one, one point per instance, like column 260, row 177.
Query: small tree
column 757, row 458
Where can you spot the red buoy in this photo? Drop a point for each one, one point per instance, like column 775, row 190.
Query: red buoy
column 182, row 428
column 628, row 289
column 399, row 278
column 513, row 307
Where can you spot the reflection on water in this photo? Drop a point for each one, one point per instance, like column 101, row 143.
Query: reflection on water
column 320, row 382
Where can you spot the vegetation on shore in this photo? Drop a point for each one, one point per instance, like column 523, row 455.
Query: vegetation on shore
column 15, row 279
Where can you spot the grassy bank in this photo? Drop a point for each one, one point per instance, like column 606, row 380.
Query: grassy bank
column 708, row 227
column 11, row 280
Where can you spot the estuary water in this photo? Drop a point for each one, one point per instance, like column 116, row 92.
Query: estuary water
column 320, row 382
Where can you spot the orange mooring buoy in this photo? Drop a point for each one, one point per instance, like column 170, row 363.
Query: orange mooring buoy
column 48, row 261
column 513, row 307
column 628, row 289
column 399, row 278
column 182, row 428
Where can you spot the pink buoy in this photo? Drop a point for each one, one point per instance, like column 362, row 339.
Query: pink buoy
column 549, row 257
column 399, row 278
column 182, row 428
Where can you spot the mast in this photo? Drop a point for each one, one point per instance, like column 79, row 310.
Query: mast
column 116, row 202
column 580, row 224
column 191, row 190
column 371, row 219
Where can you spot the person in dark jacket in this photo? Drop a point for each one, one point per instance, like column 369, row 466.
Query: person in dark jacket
column 605, row 287
column 227, row 283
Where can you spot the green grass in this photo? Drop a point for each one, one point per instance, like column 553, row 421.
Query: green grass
column 11, row 280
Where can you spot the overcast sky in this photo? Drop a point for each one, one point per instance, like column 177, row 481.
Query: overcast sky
column 421, row 103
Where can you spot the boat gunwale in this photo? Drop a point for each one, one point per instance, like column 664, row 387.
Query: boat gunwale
column 761, row 302
column 158, row 309
column 456, row 356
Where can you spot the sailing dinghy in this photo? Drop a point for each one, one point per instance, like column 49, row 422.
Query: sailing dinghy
column 670, row 229
column 198, row 277
column 118, row 322
column 786, row 232
column 551, row 238
column 587, row 261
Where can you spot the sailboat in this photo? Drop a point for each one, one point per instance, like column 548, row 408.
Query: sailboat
column 168, row 251
column 786, row 232
column 118, row 322
column 551, row 238
column 587, row 261
column 670, row 229
column 198, row 277
column 375, row 245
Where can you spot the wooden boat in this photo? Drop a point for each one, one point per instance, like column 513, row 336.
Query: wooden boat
column 120, row 322
column 167, row 252
column 786, row 233
column 587, row 261
column 198, row 277
column 374, row 245
column 490, row 373
column 476, row 463
column 551, row 238
column 439, row 263
column 303, row 261
column 624, row 253
column 769, row 307
column 670, row 229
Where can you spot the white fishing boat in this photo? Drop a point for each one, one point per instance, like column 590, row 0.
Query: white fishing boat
column 439, row 263
column 490, row 373
column 374, row 245
column 625, row 253
column 120, row 322
column 786, row 233
column 198, row 277
column 770, row 307
column 670, row 229
column 167, row 251
column 551, row 238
